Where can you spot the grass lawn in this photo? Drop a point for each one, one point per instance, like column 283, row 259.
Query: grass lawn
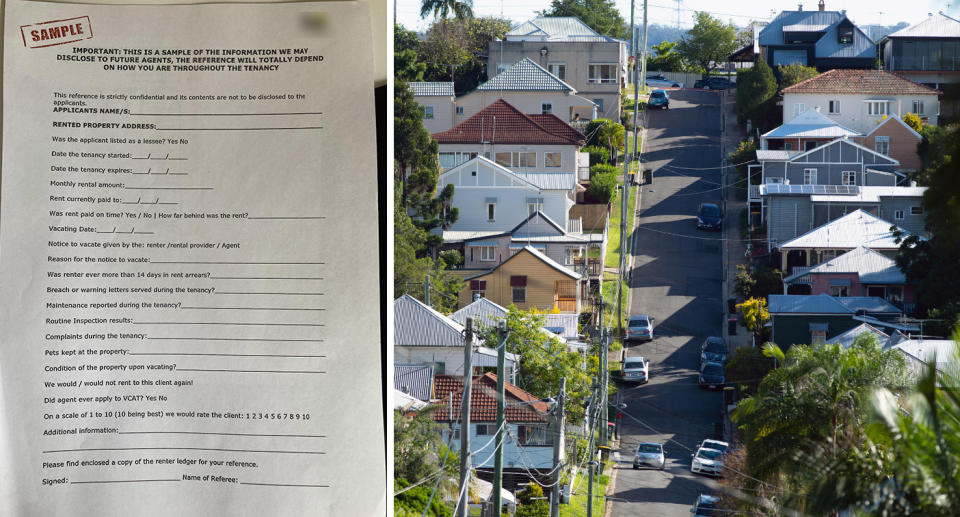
column 578, row 499
column 612, row 259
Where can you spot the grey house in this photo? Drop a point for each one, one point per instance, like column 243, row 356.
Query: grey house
column 927, row 52
column 840, row 162
column 823, row 39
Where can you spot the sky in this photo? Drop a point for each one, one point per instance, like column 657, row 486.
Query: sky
column 740, row 12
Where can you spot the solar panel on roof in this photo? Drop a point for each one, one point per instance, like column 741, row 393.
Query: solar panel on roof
column 839, row 190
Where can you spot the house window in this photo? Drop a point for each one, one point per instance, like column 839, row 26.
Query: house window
column 773, row 179
column 602, row 73
column 809, row 176
column 478, row 288
column 839, row 290
column 459, row 110
column 799, row 108
column 546, row 108
column 488, row 253
column 533, row 207
column 518, row 284
column 559, row 70
column 833, row 107
column 484, row 430
column 810, row 145
column 570, row 256
column 450, row 160
column 788, row 146
column 845, row 35
column 881, row 144
column 898, row 215
column 818, row 336
column 516, row 159
column 503, row 66
column 849, row 177
column 599, row 103
column 491, row 211
column 529, row 435
column 551, row 159
column 428, row 112
column 916, row 210
column 918, row 107
column 895, row 294
column 877, row 108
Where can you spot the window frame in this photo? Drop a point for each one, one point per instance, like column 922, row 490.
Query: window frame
column 491, row 212
column 428, row 112
column 546, row 108
column 798, row 108
column 830, row 107
column 840, row 291
column 559, row 161
column 458, row 110
column 487, row 253
column 882, row 139
column 515, row 159
column 852, row 177
column 561, row 66
column 918, row 104
column 478, row 287
column 916, row 210
column 810, row 174
column 518, row 288
column 592, row 79
column 898, row 214
column 878, row 108
column 599, row 103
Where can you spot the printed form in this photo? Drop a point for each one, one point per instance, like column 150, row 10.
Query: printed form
column 189, row 262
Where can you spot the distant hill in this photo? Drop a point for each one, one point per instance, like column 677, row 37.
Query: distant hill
column 657, row 33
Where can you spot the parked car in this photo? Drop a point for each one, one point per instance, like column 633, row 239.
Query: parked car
column 706, row 506
column 713, row 350
column 649, row 454
column 712, row 375
column 639, row 328
column 662, row 82
column 715, row 444
column 636, row 369
column 658, row 99
column 707, row 461
column 709, row 217
column 713, row 83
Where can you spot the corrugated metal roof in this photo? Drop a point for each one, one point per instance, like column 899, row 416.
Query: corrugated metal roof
column 824, row 304
column 462, row 235
column 829, row 47
column 768, row 155
column 568, row 322
column 581, row 238
column 872, row 267
column 871, row 304
column 416, row 324
column 806, row 27
column 935, row 26
column 871, row 194
column 555, row 28
column 414, row 379
column 549, row 180
column 483, row 311
column 811, row 124
column 526, row 75
column 539, row 255
column 847, row 338
column 858, row 228
column 424, row 89
column 772, row 34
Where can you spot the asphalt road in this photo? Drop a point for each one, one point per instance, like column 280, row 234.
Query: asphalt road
column 676, row 280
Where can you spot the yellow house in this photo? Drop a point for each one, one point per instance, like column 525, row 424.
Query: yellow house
column 527, row 279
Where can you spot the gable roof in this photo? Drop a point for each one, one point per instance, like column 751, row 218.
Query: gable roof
column 555, row 28
column 538, row 255
column 525, row 75
column 502, row 123
column 936, row 26
column 844, row 141
column 475, row 162
column 521, row 405
column 797, row 21
column 828, row 46
column 810, row 124
column 858, row 81
column 416, row 324
column 897, row 119
column 425, row 89
column 871, row 266
column 825, row 304
column 847, row 338
column 484, row 313
column 557, row 126
column 858, row 228
column 415, row 380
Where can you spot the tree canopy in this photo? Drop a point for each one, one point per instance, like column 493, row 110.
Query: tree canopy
column 665, row 58
column 756, row 88
column 709, row 42
column 460, row 9
column 455, row 50
column 794, row 73
column 600, row 15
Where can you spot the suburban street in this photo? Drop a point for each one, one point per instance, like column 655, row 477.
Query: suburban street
column 676, row 279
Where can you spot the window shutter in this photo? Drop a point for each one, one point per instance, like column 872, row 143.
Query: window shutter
column 518, row 281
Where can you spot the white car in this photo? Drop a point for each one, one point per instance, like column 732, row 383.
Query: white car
column 636, row 369
column 715, row 444
column 707, row 461
column 649, row 454
column 659, row 81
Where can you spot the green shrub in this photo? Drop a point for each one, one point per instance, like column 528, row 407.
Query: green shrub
column 593, row 129
column 602, row 187
column 451, row 258
column 597, row 154
column 603, row 169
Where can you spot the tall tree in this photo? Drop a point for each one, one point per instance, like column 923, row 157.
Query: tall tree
column 756, row 88
column 414, row 152
column 794, row 73
column 406, row 63
column 601, row 15
column 456, row 50
column 665, row 58
column 709, row 42
column 461, row 9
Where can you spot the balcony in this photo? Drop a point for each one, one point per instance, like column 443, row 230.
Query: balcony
column 922, row 63
column 753, row 193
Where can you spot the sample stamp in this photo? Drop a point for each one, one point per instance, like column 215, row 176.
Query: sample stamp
column 56, row 32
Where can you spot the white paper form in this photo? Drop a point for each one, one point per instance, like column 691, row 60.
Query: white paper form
column 188, row 262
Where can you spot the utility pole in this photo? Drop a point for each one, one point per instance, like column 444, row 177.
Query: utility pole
column 426, row 291
column 591, row 457
column 625, row 192
column 463, row 508
column 557, row 444
column 501, row 420
column 604, row 379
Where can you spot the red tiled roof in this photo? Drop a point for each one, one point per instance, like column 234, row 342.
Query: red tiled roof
column 483, row 400
column 502, row 123
column 557, row 126
column 877, row 82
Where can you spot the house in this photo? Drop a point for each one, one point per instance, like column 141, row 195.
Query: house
column 861, row 99
column 851, row 231
column 822, row 39
column 527, row 279
column 858, row 272
column 804, row 132
column 894, row 138
column 927, row 52
column 790, row 211
column 530, row 430
column 493, row 199
column 423, row 336
column 436, row 99
column 414, row 380
column 807, row 319
column 562, row 327
column 595, row 65
column 921, row 352
column 846, row 338
column 485, row 313
column 513, row 139
column 532, row 89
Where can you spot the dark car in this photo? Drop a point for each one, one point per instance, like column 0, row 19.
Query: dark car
column 658, row 99
column 712, row 376
column 713, row 350
column 707, row 506
column 713, row 83
column 709, row 217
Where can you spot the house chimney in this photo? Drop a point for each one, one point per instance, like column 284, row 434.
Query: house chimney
column 822, row 6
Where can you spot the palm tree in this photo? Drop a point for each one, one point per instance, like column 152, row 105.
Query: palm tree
column 443, row 8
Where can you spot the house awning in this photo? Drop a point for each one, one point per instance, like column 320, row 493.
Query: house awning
column 819, row 326
column 534, row 245
column 490, row 200
column 840, row 282
column 482, row 243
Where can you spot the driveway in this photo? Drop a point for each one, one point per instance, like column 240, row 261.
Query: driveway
column 676, row 280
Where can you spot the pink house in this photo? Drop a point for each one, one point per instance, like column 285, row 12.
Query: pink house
column 859, row 272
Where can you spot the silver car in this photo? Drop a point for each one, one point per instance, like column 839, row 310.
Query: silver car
column 649, row 454
column 636, row 369
column 659, row 81
column 640, row 328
